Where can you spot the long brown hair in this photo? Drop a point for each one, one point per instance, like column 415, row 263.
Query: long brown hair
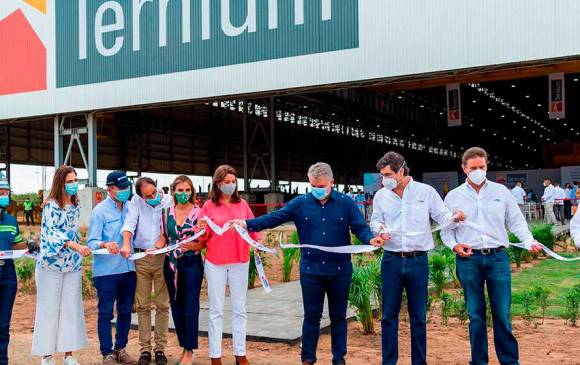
column 57, row 192
column 180, row 180
column 219, row 175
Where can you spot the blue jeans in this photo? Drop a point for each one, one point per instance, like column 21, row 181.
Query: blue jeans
column 494, row 272
column 8, row 287
column 411, row 274
column 185, row 298
column 111, row 288
column 314, row 288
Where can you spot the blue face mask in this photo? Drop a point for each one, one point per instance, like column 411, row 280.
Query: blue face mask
column 4, row 201
column 71, row 188
column 123, row 195
column 320, row 193
column 154, row 202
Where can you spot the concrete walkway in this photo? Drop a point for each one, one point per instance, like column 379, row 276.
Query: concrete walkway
column 274, row 317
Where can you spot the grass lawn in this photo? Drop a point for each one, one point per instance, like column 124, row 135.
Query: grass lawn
column 556, row 275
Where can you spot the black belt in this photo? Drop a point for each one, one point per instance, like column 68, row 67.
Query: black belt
column 6, row 262
column 139, row 250
column 489, row 251
column 408, row 254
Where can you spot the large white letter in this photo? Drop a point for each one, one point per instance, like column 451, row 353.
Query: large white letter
column 298, row 12
column 205, row 20
column 101, row 29
column 185, row 22
column 272, row 14
column 163, row 22
column 82, row 29
column 326, row 10
column 137, row 5
column 250, row 24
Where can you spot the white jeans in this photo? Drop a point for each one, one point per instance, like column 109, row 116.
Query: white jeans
column 236, row 276
column 60, row 316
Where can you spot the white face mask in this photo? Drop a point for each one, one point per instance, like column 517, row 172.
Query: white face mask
column 389, row 183
column 477, row 176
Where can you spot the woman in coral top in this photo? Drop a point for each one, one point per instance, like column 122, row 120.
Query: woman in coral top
column 227, row 262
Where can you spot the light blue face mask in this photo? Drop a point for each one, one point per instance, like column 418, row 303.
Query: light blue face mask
column 4, row 201
column 123, row 195
column 320, row 193
column 154, row 202
column 71, row 188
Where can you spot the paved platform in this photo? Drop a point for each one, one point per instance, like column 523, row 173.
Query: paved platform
column 274, row 317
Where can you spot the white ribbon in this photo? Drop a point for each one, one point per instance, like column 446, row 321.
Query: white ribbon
column 256, row 245
column 16, row 254
column 140, row 255
column 350, row 249
column 477, row 227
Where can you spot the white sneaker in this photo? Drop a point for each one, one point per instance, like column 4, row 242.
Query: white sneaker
column 69, row 360
column 48, row 361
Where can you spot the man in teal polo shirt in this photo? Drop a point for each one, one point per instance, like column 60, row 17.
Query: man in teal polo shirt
column 10, row 239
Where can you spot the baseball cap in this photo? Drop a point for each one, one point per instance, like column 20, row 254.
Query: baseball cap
column 118, row 179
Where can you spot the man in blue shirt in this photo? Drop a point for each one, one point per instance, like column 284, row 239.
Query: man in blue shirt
column 113, row 275
column 10, row 239
column 323, row 217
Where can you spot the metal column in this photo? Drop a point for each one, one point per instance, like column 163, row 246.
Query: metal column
column 92, row 137
column 74, row 130
column 273, row 174
column 245, row 147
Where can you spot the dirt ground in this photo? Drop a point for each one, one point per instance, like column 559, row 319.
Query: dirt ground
column 551, row 343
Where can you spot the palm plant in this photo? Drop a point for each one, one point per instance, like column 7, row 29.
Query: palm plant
column 289, row 257
column 359, row 297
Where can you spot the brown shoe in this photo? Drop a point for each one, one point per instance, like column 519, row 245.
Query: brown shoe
column 124, row 358
column 216, row 361
column 241, row 360
column 110, row 359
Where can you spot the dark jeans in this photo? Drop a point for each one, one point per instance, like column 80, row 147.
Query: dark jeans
column 411, row 274
column 111, row 288
column 29, row 217
column 8, row 287
column 568, row 209
column 314, row 289
column 185, row 298
column 493, row 271
column 559, row 212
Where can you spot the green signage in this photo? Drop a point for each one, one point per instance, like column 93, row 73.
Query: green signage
column 99, row 40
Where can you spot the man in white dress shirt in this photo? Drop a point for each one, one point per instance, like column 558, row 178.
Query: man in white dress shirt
column 520, row 194
column 403, row 208
column 482, row 260
column 575, row 228
column 142, row 229
column 548, row 200
column 559, row 196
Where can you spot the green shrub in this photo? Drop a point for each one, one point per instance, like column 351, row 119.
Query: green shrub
column 25, row 273
column 543, row 234
column 461, row 308
column 541, row 294
column 88, row 287
column 573, row 305
column 447, row 305
column 437, row 266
